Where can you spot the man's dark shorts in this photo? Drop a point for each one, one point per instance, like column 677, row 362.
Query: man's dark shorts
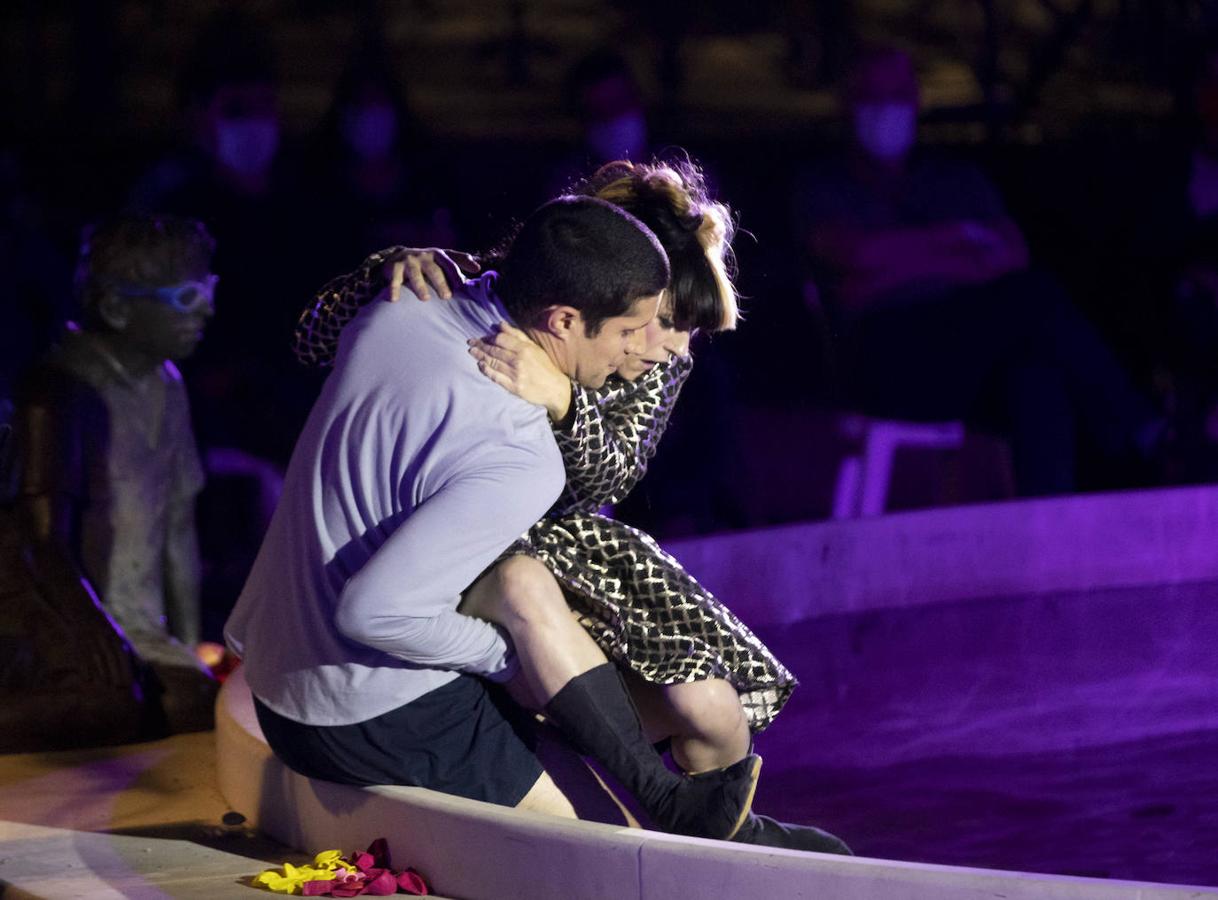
column 466, row 738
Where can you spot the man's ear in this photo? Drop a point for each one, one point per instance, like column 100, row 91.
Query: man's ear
column 562, row 321
column 114, row 310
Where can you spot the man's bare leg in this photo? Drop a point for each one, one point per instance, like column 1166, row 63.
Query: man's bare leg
column 545, row 797
column 568, row 788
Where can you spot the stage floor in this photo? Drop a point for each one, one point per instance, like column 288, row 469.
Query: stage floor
column 140, row 820
column 1072, row 734
column 145, row 820
column 1069, row 734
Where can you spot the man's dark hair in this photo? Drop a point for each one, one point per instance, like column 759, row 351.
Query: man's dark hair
column 584, row 253
column 140, row 249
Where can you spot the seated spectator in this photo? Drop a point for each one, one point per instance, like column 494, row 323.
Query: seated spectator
column 108, row 478
column 603, row 93
column 373, row 177
column 941, row 314
column 234, row 177
column 1174, row 263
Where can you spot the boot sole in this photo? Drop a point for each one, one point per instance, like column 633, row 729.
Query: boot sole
column 754, row 775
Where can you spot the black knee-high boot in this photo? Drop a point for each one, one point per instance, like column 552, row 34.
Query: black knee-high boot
column 766, row 832
column 763, row 831
column 596, row 712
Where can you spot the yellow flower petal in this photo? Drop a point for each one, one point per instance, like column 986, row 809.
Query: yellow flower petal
column 327, row 858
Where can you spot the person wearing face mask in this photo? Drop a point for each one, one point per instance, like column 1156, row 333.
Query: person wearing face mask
column 700, row 677
column 239, row 177
column 1170, row 269
column 372, row 174
column 941, row 314
column 604, row 96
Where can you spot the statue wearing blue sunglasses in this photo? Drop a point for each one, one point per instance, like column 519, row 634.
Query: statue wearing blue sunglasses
column 109, row 476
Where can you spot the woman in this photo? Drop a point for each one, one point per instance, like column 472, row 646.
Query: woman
column 698, row 675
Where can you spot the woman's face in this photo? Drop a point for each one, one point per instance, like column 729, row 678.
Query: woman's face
column 661, row 342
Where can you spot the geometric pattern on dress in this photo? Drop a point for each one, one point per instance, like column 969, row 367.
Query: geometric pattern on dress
column 613, row 435
column 651, row 616
column 639, row 604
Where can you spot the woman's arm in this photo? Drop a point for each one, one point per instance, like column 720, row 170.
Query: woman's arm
column 315, row 342
column 607, row 436
column 611, row 437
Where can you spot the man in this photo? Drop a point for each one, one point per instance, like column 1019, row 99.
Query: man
column 109, row 473
column 413, row 473
column 930, row 279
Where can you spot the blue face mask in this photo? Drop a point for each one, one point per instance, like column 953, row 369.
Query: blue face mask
column 886, row 130
column 370, row 131
column 247, row 145
column 622, row 137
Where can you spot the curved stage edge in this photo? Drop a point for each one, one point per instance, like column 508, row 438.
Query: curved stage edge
column 476, row 850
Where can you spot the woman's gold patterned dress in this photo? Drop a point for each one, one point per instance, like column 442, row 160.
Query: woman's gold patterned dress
column 645, row 611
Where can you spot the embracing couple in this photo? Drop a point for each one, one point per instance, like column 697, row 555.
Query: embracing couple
column 436, row 574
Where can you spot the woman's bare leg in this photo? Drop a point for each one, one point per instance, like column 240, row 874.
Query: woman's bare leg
column 523, row 596
column 568, row 674
column 704, row 719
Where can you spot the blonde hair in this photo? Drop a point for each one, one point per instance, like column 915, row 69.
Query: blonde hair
column 696, row 231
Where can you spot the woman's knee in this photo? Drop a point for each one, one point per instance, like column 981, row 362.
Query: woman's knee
column 526, row 592
column 709, row 708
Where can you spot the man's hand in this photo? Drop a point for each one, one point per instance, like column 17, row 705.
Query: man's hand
column 512, row 360
column 428, row 272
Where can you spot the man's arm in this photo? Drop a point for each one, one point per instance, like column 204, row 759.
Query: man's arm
column 403, row 601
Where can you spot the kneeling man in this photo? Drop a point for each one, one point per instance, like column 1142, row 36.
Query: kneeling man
column 413, row 473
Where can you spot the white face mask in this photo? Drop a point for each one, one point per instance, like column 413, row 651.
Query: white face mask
column 247, row 146
column 886, row 130
column 370, row 131
column 622, row 137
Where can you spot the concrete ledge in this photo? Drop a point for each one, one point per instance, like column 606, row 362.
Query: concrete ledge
column 476, row 850
column 36, row 861
column 800, row 572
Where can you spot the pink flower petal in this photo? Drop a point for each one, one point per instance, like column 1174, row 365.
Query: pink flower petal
column 412, row 883
column 362, row 861
column 380, row 851
column 381, row 886
column 316, row 888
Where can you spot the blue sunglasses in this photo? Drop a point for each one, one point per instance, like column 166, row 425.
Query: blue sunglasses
column 185, row 296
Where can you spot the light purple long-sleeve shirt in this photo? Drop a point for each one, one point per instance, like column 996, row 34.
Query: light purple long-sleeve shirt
column 413, row 473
